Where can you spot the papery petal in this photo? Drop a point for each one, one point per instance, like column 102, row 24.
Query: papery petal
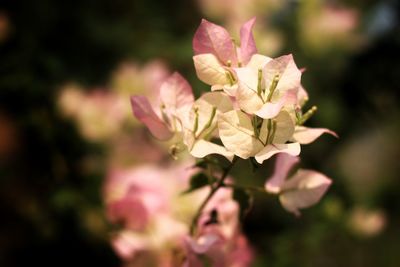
column 129, row 211
column 270, row 110
column 209, row 69
column 305, row 135
column 214, row 39
column 247, row 43
column 270, row 150
column 248, row 76
column 285, row 126
column 145, row 113
column 247, row 99
column 202, row 148
column 203, row 243
column 205, row 105
column 283, row 164
column 258, row 61
column 236, row 133
column 289, row 74
column 176, row 92
column 305, row 189
column 127, row 244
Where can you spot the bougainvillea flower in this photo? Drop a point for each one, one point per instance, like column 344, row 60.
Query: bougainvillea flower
column 267, row 86
column 176, row 99
column 214, row 39
column 202, row 124
column 304, row 189
column 216, row 54
column 238, row 134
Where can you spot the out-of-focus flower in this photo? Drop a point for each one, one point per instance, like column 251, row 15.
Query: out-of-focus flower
column 142, row 201
column 218, row 240
column 304, row 189
column 324, row 27
column 99, row 114
column 367, row 223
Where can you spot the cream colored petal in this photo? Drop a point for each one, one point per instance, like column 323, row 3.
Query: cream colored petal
column 248, row 100
column 236, row 133
column 210, row 70
column 202, row 148
column 270, row 150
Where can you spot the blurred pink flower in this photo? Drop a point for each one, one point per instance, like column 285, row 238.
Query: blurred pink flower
column 219, row 240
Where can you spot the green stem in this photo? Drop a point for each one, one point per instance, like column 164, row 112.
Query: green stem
column 214, row 189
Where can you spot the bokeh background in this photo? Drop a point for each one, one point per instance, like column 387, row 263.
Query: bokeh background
column 67, row 69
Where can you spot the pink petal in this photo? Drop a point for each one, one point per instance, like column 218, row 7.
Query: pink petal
column 305, row 189
column 247, row 43
column 203, row 243
column 126, row 245
column 129, row 211
column 285, row 67
column 305, row 135
column 283, row 164
column 270, row 150
column 176, row 92
column 145, row 114
column 214, row 39
column 271, row 110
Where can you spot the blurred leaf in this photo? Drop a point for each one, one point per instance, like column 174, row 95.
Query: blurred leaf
column 197, row 181
column 244, row 199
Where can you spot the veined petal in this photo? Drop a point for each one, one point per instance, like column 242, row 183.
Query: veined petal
column 305, row 135
column 247, row 43
column 214, row 39
column 176, row 92
column 283, row 164
column 209, row 69
column 258, row 61
column 270, row 150
column 270, row 110
column 285, row 126
column 289, row 74
column 236, row 133
column 305, row 189
column 247, row 99
column 202, row 148
column 206, row 109
column 145, row 114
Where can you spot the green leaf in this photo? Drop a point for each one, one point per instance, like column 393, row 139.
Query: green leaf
column 197, row 181
column 244, row 199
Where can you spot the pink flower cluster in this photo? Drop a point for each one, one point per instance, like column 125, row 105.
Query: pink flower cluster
column 254, row 106
column 153, row 215
column 253, row 110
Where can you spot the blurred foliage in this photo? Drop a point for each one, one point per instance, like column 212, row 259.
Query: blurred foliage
column 50, row 197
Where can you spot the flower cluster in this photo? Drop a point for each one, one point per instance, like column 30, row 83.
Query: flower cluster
column 254, row 106
column 253, row 111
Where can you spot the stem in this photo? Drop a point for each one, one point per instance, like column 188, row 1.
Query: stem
column 214, row 189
